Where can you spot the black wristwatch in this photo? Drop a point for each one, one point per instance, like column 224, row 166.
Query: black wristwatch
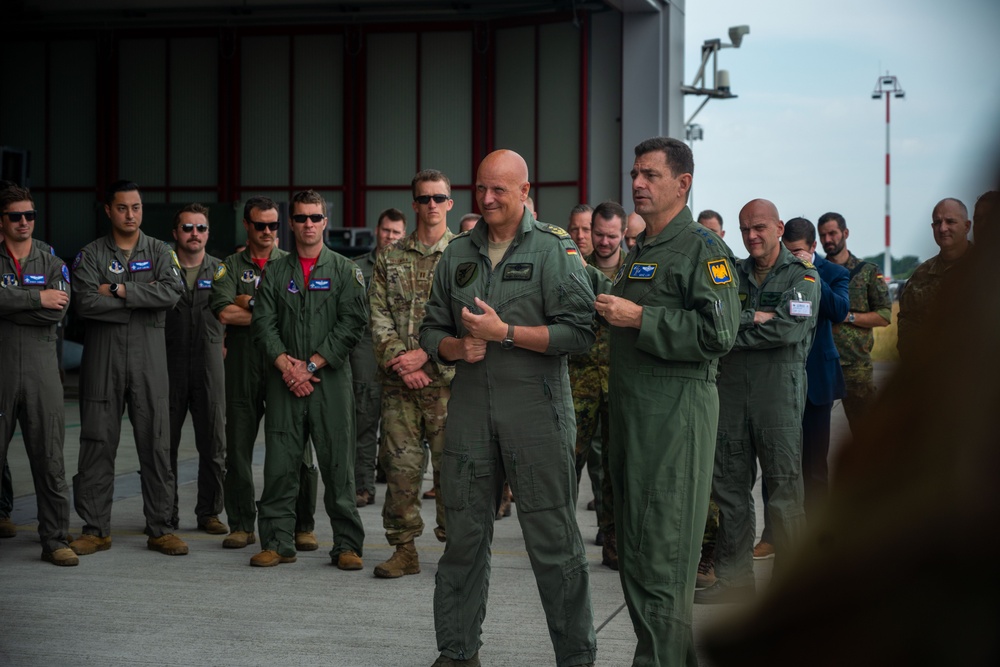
column 251, row 303
column 311, row 367
column 113, row 288
column 508, row 342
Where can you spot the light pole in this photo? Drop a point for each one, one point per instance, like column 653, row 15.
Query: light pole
column 887, row 85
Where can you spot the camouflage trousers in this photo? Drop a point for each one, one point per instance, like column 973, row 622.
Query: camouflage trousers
column 859, row 384
column 712, row 524
column 409, row 417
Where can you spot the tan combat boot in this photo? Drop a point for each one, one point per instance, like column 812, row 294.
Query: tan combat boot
column 238, row 539
column 87, row 544
column 404, row 561
column 306, row 541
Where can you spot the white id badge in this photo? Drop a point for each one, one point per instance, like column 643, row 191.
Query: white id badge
column 800, row 308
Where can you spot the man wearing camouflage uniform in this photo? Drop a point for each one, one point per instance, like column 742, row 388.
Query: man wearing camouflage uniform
column 950, row 224
column 34, row 296
column 870, row 308
column 234, row 291
column 762, row 395
column 415, row 389
column 367, row 388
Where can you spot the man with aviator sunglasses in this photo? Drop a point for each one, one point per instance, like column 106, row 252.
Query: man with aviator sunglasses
column 309, row 315
column 194, row 364
column 233, row 299
column 34, row 297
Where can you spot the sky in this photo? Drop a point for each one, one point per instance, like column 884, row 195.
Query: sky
column 806, row 133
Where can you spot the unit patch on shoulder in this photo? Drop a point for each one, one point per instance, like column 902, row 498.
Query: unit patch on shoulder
column 177, row 262
column 77, row 260
column 465, row 272
column 220, row 272
column 65, row 273
column 809, row 279
column 642, row 271
column 719, row 271
column 360, row 277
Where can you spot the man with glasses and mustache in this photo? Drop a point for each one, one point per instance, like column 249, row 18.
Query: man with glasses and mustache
column 34, row 296
column 415, row 389
column 310, row 314
column 194, row 364
column 125, row 283
column 234, row 290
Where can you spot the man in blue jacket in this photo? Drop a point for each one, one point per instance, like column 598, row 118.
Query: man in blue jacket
column 825, row 380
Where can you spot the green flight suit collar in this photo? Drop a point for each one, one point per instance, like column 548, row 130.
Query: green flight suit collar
column 677, row 224
column 480, row 233
column 142, row 244
column 276, row 253
column 784, row 258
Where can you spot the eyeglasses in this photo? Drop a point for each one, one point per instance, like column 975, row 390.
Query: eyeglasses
column 426, row 199
column 302, row 217
column 261, row 226
column 15, row 216
column 189, row 227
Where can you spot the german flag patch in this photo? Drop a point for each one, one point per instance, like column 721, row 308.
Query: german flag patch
column 809, row 279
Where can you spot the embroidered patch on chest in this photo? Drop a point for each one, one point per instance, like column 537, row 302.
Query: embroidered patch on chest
column 249, row 276
column 204, row 283
column 642, row 271
column 518, row 271
column 465, row 273
column 33, row 279
column 140, row 265
column 9, row 280
column 319, row 285
column 116, row 267
column 292, row 287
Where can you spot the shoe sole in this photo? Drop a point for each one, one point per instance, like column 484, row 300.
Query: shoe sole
column 767, row 557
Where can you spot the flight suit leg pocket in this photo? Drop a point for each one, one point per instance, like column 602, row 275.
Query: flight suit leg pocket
column 457, row 473
column 542, row 480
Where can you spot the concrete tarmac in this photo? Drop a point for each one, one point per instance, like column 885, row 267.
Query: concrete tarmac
column 132, row 606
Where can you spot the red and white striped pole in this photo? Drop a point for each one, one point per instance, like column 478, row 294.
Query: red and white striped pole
column 887, row 85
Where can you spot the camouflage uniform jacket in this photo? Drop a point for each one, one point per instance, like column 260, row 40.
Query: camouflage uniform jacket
column 918, row 298
column 400, row 286
column 590, row 369
column 869, row 294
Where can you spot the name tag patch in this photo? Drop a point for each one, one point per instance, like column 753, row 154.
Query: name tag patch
column 770, row 299
column 140, row 265
column 319, row 285
column 800, row 308
column 33, row 279
column 718, row 271
column 116, row 267
column 518, row 271
column 642, row 271
column 204, row 283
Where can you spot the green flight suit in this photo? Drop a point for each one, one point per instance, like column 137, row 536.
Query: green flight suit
column 664, row 411
column 326, row 316
column 367, row 396
column 124, row 363
column 31, row 392
column 246, row 372
column 762, row 392
column 197, row 383
column 511, row 415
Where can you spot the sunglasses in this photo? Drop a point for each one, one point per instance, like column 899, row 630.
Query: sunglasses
column 15, row 216
column 302, row 217
column 426, row 199
column 261, row 226
column 190, row 227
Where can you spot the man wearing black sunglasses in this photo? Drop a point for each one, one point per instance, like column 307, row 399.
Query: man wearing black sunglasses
column 194, row 363
column 309, row 315
column 234, row 292
column 34, row 296
column 415, row 389
column 124, row 284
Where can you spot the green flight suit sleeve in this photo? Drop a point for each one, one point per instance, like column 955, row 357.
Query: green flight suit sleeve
column 23, row 306
column 87, row 302
column 386, row 340
column 439, row 322
column 704, row 327
column 352, row 315
column 569, row 304
column 784, row 328
column 264, row 324
column 223, row 288
column 166, row 287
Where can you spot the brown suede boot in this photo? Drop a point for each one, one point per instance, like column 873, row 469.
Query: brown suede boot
column 505, row 500
column 404, row 561
column 609, row 552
